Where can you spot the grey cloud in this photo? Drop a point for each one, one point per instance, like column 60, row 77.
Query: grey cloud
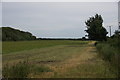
column 52, row 19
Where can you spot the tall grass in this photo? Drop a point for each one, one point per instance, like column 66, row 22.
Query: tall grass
column 19, row 70
column 23, row 70
column 110, row 51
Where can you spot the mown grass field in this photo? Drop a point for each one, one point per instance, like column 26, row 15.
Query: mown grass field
column 12, row 46
column 56, row 59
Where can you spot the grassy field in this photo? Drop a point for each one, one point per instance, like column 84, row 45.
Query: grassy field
column 54, row 59
column 12, row 46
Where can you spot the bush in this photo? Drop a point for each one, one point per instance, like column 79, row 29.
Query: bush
column 110, row 51
column 107, row 51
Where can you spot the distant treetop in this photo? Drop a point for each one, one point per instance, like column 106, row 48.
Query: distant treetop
column 11, row 34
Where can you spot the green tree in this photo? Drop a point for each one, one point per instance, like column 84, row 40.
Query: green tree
column 95, row 29
column 11, row 34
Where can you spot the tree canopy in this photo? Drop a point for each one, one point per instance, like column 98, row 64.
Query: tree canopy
column 11, row 34
column 95, row 29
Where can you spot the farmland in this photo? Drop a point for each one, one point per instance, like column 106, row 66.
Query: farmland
column 57, row 59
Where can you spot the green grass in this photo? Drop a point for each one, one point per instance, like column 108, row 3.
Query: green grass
column 55, row 53
column 44, row 52
column 50, row 58
column 12, row 46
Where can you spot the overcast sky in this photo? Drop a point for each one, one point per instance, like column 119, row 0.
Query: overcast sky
column 119, row 11
column 57, row 19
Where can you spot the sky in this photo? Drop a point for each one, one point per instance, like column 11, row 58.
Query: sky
column 119, row 12
column 59, row 0
column 57, row 19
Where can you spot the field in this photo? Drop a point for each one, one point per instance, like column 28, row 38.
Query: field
column 56, row 59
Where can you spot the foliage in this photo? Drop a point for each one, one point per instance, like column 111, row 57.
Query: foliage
column 95, row 29
column 19, row 70
column 10, row 34
column 110, row 51
column 58, row 57
column 23, row 70
column 0, row 35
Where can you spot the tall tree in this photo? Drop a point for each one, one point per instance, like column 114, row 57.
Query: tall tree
column 95, row 29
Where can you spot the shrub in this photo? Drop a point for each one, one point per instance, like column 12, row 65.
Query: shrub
column 110, row 51
column 106, row 51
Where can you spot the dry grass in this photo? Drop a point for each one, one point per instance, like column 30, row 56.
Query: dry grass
column 84, row 64
column 66, row 61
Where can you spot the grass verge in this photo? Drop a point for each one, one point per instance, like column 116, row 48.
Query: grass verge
column 109, row 51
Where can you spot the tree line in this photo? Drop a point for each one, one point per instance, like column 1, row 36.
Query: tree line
column 11, row 34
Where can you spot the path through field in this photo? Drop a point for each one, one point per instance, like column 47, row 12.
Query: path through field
column 65, row 61
column 83, row 64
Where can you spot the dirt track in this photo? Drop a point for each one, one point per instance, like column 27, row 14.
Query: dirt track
column 84, row 64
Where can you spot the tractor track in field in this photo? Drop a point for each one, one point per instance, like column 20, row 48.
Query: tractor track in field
column 82, row 61
column 88, row 56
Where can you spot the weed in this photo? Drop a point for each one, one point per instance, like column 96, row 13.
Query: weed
column 19, row 70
